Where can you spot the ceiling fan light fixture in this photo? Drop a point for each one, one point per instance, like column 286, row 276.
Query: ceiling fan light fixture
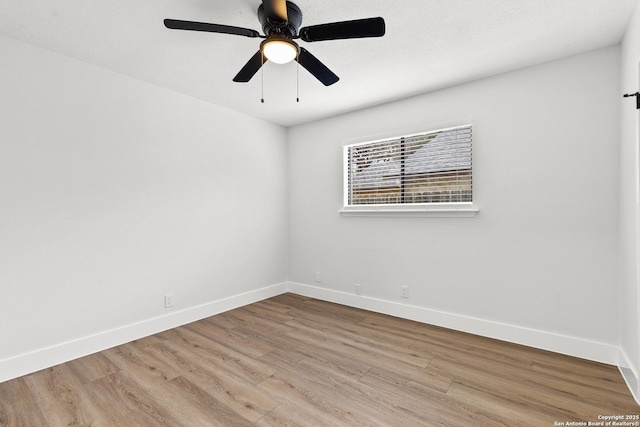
column 279, row 50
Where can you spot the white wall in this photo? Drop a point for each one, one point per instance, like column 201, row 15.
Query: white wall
column 629, row 207
column 538, row 264
column 113, row 193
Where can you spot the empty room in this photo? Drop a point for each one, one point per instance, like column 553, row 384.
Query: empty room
column 275, row 213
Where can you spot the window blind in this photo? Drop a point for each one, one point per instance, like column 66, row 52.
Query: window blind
column 431, row 167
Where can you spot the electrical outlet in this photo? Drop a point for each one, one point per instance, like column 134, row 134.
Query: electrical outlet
column 358, row 288
column 404, row 291
column 168, row 301
column 318, row 277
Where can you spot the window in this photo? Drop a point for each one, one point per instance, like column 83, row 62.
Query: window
column 427, row 169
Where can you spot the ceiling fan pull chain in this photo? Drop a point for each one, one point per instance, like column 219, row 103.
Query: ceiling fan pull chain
column 262, row 76
column 298, row 78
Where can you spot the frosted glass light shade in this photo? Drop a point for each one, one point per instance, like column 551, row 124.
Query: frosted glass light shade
column 280, row 51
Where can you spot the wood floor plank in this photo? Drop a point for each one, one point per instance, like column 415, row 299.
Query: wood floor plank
column 105, row 396
column 547, row 392
column 92, row 367
column 138, row 364
column 360, row 329
column 328, row 309
column 270, row 342
column 294, row 415
column 431, row 407
column 513, row 385
column 61, row 396
column 134, row 401
column 231, row 338
column 334, row 398
column 18, row 406
column 260, row 310
column 355, row 402
column 248, row 319
column 307, row 308
column 351, row 343
column 195, row 407
column 436, row 340
column 410, row 379
column 224, row 320
column 294, row 361
column 591, row 374
column 298, row 408
column 487, row 410
column 249, row 369
column 320, row 363
column 220, row 382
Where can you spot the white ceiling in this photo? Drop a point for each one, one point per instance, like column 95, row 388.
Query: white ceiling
column 429, row 44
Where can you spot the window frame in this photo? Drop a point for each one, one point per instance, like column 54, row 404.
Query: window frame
column 438, row 209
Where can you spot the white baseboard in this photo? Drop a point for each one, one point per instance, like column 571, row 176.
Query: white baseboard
column 46, row 357
column 572, row 346
column 630, row 375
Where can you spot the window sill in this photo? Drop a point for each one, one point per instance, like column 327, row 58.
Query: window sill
column 445, row 211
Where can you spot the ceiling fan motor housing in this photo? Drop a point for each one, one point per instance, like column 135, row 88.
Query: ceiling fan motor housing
column 273, row 25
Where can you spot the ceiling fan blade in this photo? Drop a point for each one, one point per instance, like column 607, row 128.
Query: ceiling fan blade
column 276, row 10
column 317, row 68
column 176, row 24
column 250, row 68
column 359, row 28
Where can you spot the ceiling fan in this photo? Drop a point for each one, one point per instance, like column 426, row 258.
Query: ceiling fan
column 280, row 20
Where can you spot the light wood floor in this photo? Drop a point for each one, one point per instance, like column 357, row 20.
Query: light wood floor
column 295, row 361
